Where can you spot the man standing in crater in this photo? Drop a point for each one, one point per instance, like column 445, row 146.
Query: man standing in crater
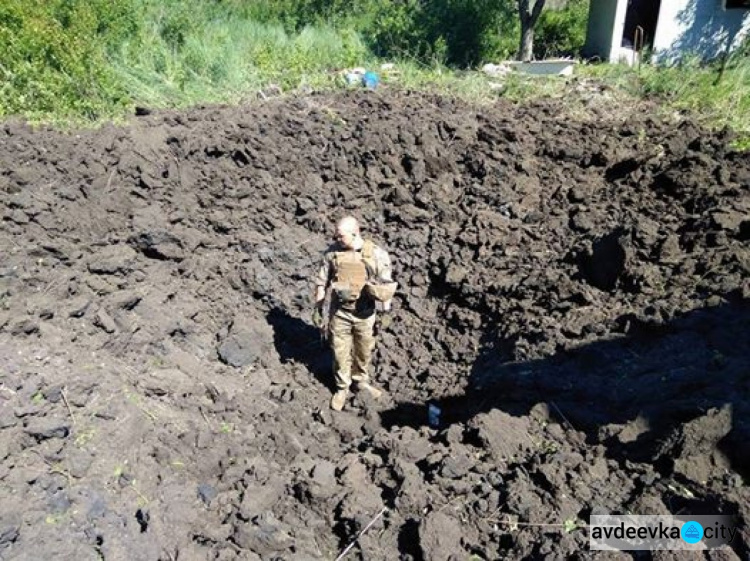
column 358, row 274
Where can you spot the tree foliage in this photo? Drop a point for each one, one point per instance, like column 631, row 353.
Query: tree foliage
column 561, row 32
column 54, row 55
column 84, row 57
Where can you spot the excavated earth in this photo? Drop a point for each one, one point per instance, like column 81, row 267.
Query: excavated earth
column 574, row 299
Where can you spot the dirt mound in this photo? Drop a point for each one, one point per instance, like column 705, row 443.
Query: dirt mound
column 574, row 299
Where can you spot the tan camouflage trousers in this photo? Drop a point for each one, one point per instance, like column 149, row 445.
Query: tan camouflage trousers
column 352, row 341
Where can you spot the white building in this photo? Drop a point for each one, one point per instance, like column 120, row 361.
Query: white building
column 671, row 29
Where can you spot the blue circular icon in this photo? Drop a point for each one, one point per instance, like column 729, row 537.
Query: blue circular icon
column 691, row 532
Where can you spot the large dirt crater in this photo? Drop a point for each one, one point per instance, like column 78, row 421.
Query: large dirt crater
column 574, row 297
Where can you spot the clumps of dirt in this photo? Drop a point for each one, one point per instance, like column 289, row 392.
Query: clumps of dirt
column 574, row 301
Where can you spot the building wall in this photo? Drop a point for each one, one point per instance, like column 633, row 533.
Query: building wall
column 702, row 27
column 604, row 31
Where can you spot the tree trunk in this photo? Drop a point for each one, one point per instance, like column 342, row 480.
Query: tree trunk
column 528, row 21
column 526, row 49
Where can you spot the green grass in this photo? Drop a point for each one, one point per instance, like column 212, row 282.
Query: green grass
column 716, row 100
column 412, row 75
column 475, row 86
column 85, row 61
column 691, row 89
column 224, row 61
column 90, row 60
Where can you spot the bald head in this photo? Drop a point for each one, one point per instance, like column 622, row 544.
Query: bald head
column 348, row 224
column 347, row 233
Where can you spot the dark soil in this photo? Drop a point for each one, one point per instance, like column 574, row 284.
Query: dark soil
column 574, row 297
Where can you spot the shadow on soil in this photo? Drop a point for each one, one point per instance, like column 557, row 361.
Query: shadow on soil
column 658, row 376
column 314, row 352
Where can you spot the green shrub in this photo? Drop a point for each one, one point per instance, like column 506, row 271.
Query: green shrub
column 54, row 60
column 455, row 32
column 561, row 32
column 201, row 51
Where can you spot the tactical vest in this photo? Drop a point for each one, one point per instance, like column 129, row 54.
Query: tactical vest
column 352, row 270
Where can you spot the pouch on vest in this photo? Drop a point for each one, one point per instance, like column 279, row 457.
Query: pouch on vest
column 351, row 276
column 381, row 292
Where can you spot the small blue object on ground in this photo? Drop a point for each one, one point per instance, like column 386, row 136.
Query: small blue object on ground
column 433, row 415
column 370, row 80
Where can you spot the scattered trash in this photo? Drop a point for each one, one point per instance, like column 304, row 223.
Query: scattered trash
column 370, row 80
column 354, row 76
column 207, row 493
column 559, row 67
column 496, row 70
column 362, row 533
column 362, row 77
column 433, row 415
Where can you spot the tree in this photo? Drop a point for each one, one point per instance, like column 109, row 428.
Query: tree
column 529, row 15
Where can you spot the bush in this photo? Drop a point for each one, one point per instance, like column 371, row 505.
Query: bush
column 54, row 61
column 204, row 51
column 455, row 32
column 561, row 32
column 295, row 15
column 91, row 58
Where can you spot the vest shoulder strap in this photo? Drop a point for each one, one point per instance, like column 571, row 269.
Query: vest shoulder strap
column 368, row 249
column 368, row 256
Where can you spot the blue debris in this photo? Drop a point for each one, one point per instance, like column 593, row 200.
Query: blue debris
column 370, row 80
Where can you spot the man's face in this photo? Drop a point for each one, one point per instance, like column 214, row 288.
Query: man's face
column 346, row 237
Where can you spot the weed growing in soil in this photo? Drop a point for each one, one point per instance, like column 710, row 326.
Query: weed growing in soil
column 54, row 519
column 84, row 437
column 135, row 399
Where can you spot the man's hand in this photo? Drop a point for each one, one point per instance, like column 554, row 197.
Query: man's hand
column 317, row 316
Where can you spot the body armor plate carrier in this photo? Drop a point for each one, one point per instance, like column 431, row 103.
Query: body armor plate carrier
column 353, row 269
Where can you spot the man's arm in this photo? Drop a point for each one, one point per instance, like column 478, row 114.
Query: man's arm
column 322, row 280
column 319, row 295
